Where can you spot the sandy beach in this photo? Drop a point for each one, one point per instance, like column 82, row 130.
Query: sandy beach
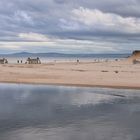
column 115, row 74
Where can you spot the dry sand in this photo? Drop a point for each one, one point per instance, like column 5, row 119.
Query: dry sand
column 115, row 74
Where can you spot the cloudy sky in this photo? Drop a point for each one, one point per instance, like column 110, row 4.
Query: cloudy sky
column 69, row 26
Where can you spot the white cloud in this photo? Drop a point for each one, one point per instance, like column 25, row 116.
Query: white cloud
column 10, row 46
column 96, row 20
column 42, row 40
column 33, row 36
column 35, row 41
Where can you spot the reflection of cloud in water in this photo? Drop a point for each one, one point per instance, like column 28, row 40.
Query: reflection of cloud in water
column 65, row 113
column 90, row 98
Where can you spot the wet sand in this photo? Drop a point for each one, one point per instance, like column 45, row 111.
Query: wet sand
column 115, row 74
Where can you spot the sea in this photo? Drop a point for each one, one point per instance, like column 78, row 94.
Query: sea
column 45, row 58
column 45, row 112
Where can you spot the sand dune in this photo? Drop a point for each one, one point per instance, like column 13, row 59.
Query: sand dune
column 135, row 55
column 118, row 74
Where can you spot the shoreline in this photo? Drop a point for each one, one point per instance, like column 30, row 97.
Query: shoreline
column 74, row 85
column 113, row 74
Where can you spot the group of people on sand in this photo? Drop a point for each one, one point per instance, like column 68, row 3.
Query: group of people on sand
column 19, row 61
column 3, row 61
column 28, row 61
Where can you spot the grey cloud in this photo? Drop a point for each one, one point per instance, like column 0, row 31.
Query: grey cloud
column 47, row 17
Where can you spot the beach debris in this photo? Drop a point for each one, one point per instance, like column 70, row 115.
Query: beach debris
column 116, row 71
column 104, row 71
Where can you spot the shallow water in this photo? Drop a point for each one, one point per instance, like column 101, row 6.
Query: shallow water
column 31, row 112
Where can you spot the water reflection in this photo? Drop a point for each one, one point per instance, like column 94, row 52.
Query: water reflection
column 63, row 113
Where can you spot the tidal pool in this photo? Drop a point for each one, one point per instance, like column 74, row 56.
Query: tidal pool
column 40, row 112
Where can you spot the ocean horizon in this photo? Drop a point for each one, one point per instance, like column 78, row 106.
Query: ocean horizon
column 59, row 57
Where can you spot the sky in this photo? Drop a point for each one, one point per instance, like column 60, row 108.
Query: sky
column 69, row 26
